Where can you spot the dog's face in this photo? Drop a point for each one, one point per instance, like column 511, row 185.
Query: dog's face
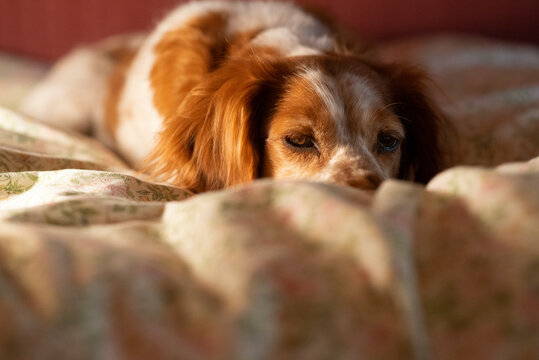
column 334, row 123
column 333, row 119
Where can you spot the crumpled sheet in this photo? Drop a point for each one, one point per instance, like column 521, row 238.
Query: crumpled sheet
column 98, row 262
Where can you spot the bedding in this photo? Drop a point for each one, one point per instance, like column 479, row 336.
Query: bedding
column 99, row 262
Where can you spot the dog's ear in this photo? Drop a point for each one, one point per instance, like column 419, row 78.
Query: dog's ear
column 215, row 138
column 422, row 120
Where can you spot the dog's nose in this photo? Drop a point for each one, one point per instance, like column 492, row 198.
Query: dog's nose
column 368, row 181
column 362, row 179
column 354, row 170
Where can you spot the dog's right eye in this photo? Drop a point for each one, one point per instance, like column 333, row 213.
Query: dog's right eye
column 299, row 142
column 387, row 143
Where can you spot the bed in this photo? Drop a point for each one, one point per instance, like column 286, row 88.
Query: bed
column 99, row 262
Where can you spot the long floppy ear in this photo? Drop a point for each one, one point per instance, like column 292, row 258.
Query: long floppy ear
column 214, row 140
column 422, row 121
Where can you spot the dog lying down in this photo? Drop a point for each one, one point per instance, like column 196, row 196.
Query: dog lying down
column 221, row 93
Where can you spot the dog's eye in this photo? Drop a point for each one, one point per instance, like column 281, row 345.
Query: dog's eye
column 387, row 143
column 302, row 142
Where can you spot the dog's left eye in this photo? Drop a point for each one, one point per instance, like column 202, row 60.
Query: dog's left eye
column 301, row 142
column 387, row 143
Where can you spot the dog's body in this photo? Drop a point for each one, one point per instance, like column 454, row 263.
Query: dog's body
column 221, row 93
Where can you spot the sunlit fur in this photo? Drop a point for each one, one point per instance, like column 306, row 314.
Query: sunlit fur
column 211, row 97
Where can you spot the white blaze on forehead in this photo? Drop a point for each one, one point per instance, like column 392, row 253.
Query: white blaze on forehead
column 366, row 100
column 326, row 88
column 365, row 92
column 365, row 97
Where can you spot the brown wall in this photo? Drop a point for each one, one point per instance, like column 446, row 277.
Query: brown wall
column 48, row 28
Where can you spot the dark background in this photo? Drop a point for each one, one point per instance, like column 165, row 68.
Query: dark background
column 46, row 29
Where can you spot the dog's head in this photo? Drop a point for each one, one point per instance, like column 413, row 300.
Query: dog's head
column 336, row 119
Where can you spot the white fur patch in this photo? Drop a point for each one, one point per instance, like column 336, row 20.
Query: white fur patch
column 367, row 94
column 326, row 88
column 139, row 121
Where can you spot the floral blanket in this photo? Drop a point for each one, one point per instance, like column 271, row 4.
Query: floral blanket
column 97, row 262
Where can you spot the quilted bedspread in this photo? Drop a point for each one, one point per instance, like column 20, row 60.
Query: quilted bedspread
column 98, row 262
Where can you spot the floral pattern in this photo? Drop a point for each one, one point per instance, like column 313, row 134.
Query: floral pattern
column 98, row 262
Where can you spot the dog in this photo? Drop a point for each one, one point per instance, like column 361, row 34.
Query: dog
column 221, row 93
